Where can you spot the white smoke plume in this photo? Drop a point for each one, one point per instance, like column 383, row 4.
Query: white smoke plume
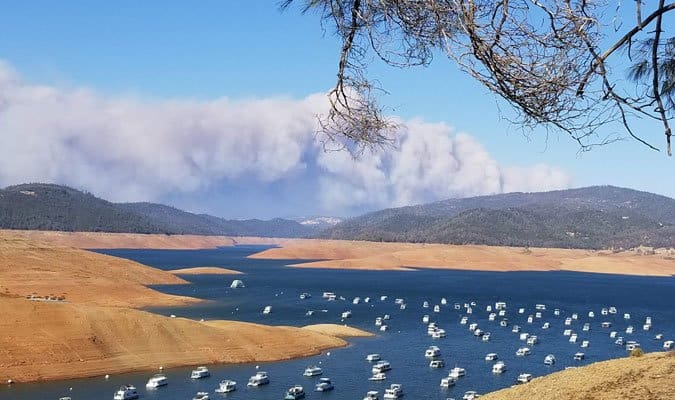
column 130, row 149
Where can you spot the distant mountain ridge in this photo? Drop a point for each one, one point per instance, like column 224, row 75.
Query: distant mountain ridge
column 592, row 217
column 55, row 207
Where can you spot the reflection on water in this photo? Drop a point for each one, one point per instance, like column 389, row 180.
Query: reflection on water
column 269, row 282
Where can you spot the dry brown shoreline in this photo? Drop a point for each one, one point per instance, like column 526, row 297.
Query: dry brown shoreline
column 82, row 320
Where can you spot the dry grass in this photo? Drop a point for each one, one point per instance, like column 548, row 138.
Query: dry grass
column 651, row 376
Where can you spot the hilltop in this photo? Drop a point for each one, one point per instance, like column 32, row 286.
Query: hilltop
column 60, row 208
column 598, row 217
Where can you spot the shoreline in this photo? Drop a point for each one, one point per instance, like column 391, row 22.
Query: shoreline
column 91, row 323
column 386, row 256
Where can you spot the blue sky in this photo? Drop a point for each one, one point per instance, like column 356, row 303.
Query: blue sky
column 141, row 57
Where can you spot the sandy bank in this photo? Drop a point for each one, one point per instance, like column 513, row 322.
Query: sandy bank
column 47, row 341
column 104, row 240
column 649, row 377
column 400, row 256
column 343, row 331
column 82, row 277
column 204, row 271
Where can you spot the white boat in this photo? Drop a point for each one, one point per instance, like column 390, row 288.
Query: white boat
column 568, row 321
column 305, row 296
column 532, row 340
column 540, row 307
column 309, row 313
column 556, row 312
column 585, row 343
column 383, row 298
column 373, row 357
column 327, row 295
column 201, row 396
column 126, row 392
column 478, row 332
column 668, row 345
column 500, row 305
column 383, row 328
column 444, row 301
column 632, row 345
column 523, row 336
column 612, row 310
column 386, row 317
column 457, row 372
column 606, row 324
column 502, row 313
column 438, row 333
column 395, row 391
column 579, row 356
column 524, row 378
column 437, row 309
column 473, row 326
column 448, row 381
column 226, row 386
column 425, row 319
column 156, row 381
column 499, row 367
column 457, row 306
column 492, row 316
column 629, row 329
column 567, row 332
column 521, row 311
column 267, row 310
column 425, row 304
column 432, row 351
column 491, row 356
column 199, row 373
column 549, row 359
column 469, row 310
column 648, row 320
column 626, row 316
column 486, row 336
column 619, row 341
column 573, row 338
column 436, row 364
column 378, row 321
column 312, row 371
column 402, row 307
column 646, row 327
column 530, row 319
column 575, row 316
column 470, row 395
column 346, row 314
column 464, row 320
column 260, row 378
column 613, row 334
column 356, row 300
column 381, row 366
column 295, row 392
column 372, row 395
column 659, row 336
column 546, row 325
column 237, row 284
column 366, row 300
column 380, row 376
column 324, row 385
column 537, row 315
column 604, row 311
column 523, row 351
column 515, row 329
column 586, row 327
column 504, row 323
column 591, row 314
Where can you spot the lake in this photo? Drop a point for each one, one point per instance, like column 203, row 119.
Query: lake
column 271, row 282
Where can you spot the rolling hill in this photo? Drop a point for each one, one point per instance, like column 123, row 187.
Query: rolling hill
column 61, row 208
column 590, row 218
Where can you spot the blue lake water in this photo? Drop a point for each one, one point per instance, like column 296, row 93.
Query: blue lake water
column 270, row 282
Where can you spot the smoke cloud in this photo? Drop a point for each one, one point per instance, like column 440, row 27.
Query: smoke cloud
column 132, row 149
